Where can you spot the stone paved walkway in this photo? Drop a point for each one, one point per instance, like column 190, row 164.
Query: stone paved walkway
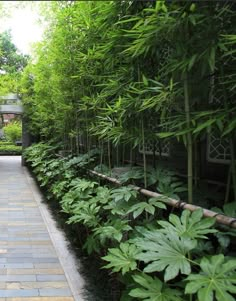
column 35, row 264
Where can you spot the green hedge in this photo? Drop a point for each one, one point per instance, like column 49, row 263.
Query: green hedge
column 5, row 143
column 10, row 149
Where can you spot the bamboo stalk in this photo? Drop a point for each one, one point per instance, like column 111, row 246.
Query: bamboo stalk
column 233, row 167
column 77, row 134
column 117, row 155
column 144, row 157
column 189, row 141
column 123, row 154
column 109, row 155
column 220, row 218
column 195, row 178
column 101, row 155
column 228, row 186
column 131, row 155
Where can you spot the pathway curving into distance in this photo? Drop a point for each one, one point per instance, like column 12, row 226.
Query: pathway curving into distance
column 35, row 263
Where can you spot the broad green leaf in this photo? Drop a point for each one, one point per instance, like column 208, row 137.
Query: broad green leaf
column 123, row 193
column 165, row 252
column 103, row 194
column 158, row 202
column 152, row 289
column 91, row 245
column 83, row 184
column 122, row 259
column 149, row 207
column 189, row 225
column 113, row 230
column 217, row 277
column 85, row 213
column 136, row 173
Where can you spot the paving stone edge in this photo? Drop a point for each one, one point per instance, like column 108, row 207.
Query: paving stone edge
column 65, row 256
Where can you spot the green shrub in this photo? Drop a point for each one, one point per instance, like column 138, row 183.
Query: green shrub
column 13, row 131
column 10, row 150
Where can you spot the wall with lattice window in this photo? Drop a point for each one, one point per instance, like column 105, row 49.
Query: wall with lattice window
column 218, row 149
column 156, row 147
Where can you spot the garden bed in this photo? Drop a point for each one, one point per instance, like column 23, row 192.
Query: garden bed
column 146, row 247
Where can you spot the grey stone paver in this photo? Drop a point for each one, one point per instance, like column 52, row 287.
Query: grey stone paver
column 55, row 292
column 31, row 264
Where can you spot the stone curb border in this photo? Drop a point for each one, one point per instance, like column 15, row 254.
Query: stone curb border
column 65, row 256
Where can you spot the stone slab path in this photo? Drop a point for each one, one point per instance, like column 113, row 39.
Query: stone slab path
column 35, row 263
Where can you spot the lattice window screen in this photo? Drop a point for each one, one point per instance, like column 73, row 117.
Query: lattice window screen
column 152, row 145
column 218, row 150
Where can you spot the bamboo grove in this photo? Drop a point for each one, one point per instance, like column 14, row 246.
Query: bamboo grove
column 108, row 78
column 106, row 68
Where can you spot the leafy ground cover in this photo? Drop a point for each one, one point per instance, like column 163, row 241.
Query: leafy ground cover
column 154, row 253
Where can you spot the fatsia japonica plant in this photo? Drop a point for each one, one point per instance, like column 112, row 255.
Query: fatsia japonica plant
column 180, row 258
column 169, row 253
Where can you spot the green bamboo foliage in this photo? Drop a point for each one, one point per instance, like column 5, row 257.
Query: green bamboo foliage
column 106, row 67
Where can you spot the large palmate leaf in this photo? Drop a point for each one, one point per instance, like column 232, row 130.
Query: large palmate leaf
column 103, row 195
column 149, row 207
column 216, row 279
column 83, row 184
column 191, row 225
column 122, row 259
column 152, row 289
column 165, row 252
column 86, row 214
column 156, row 175
column 168, row 186
column 123, row 193
column 136, row 173
column 68, row 201
column 113, row 230
column 119, row 208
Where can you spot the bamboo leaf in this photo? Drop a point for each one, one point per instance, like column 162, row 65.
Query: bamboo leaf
column 191, row 62
column 204, row 125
